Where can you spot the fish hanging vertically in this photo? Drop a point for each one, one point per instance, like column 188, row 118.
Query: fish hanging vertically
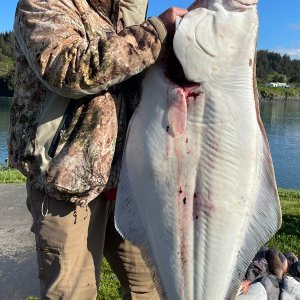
column 197, row 190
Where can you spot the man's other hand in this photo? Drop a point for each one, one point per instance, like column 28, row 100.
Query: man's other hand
column 169, row 17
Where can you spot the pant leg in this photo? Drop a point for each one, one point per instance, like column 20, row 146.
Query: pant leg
column 69, row 245
column 127, row 263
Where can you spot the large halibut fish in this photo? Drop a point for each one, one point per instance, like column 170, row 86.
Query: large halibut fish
column 197, row 190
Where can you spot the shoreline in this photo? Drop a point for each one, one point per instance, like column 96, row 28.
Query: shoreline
column 268, row 95
column 279, row 100
column 263, row 96
column 270, row 99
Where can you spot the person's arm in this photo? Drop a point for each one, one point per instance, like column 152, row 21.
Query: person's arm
column 69, row 60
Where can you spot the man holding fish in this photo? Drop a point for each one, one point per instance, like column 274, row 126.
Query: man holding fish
column 205, row 172
column 77, row 85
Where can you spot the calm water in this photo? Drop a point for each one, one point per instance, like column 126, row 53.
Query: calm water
column 282, row 124
column 4, row 121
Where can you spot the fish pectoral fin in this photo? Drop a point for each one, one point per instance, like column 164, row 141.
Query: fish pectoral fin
column 127, row 217
column 129, row 221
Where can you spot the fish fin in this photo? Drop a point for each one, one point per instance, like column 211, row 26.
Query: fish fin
column 127, row 218
column 129, row 224
column 259, row 232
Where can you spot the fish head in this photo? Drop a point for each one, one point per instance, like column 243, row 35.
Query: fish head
column 219, row 38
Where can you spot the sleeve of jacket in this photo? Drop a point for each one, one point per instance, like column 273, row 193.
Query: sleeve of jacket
column 71, row 59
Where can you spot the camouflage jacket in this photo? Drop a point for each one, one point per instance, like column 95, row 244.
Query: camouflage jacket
column 75, row 90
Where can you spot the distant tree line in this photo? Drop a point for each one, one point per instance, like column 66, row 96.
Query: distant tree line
column 6, row 45
column 271, row 66
column 6, row 63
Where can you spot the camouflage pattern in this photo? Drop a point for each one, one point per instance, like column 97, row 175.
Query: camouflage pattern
column 73, row 49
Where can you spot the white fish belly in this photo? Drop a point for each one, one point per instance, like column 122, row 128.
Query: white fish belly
column 197, row 190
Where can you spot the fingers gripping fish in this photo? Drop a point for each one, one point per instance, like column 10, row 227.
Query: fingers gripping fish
column 197, row 190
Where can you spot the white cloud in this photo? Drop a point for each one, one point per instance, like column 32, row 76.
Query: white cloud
column 293, row 53
column 294, row 26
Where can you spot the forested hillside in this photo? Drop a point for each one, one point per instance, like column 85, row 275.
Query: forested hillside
column 6, row 63
column 271, row 66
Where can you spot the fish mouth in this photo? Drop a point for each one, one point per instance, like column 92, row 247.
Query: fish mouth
column 240, row 4
column 246, row 2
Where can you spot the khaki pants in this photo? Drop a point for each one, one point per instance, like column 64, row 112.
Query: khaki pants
column 70, row 242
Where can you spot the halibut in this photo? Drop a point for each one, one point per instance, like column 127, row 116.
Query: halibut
column 197, row 190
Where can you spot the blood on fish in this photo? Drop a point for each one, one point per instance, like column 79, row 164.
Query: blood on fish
column 174, row 72
column 187, row 140
column 192, row 90
column 203, row 205
column 180, row 191
column 184, row 200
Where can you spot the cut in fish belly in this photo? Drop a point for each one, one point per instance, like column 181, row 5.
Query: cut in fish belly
column 197, row 191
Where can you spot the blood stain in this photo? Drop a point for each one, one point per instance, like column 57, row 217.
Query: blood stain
column 184, row 200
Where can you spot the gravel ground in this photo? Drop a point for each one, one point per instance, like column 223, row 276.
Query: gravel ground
column 18, row 267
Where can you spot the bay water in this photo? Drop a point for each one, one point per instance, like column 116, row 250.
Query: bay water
column 282, row 125
column 4, row 123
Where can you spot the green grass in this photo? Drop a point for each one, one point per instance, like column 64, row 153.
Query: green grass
column 10, row 175
column 289, row 93
column 287, row 238
column 110, row 286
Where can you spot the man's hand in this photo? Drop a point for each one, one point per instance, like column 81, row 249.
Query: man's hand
column 169, row 17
